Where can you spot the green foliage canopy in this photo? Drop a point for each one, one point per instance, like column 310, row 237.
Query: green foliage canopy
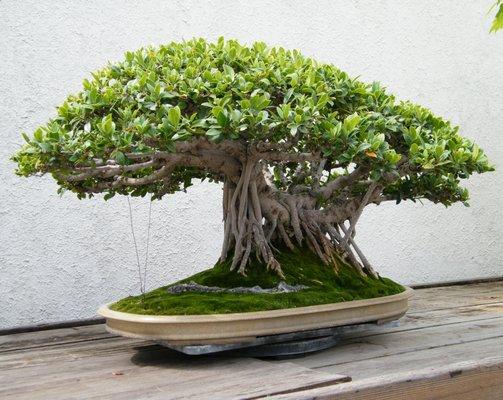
column 159, row 97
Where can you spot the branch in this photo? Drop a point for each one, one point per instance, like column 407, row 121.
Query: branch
column 233, row 148
column 287, row 157
column 342, row 181
column 207, row 160
column 319, row 173
column 121, row 181
column 266, row 146
column 379, row 199
column 108, row 171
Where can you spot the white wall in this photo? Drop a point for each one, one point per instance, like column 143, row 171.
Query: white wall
column 60, row 258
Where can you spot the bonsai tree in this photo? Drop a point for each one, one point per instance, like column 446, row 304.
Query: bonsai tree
column 299, row 147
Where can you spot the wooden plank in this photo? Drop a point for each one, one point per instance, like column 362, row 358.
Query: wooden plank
column 52, row 337
column 86, row 357
column 74, row 351
column 446, row 316
column 136, row 377
column 83, row 366
column 252, row 381
column 94, row 348
column 418, row 359
column 65, row 367
column 444, row 325
column 385, row 344
column 457, row 296
column 425, row 338
column 478, row 380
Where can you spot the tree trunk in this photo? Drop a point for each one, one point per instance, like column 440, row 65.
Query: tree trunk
column 257, row 216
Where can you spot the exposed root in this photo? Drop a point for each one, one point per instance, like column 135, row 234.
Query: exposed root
column 246, row 226
column 256, row 215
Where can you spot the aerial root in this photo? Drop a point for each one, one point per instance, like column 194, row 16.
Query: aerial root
column 253, row 222
column 244, row 225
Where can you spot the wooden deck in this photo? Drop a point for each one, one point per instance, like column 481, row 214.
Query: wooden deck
column 449, row 346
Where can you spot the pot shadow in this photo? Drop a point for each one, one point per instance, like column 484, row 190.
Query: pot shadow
column 161, row 356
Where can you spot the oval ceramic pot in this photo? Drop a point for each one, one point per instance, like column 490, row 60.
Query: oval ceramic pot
column 239, row 327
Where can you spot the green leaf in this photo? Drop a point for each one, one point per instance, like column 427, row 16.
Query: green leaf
column 181, row 135
column 45, row 147
column 322, row 101
column 362, row 146
column 229, row 72
column 108, row 196
column 213, row 134
column 498, row 18
column 121, row 158
column 200, row 123
column 288, row 95
column 38, row 135
column 174, row 116
column 475, row 152
column 221, row 115
column 414, row 148
column 236, row 116
column 277, row 174
column 107, row 126
column 245, row 104
column 283, row 111
column 350, row 122
column 259, row 102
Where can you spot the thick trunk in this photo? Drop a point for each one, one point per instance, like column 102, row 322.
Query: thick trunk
column 257, row 216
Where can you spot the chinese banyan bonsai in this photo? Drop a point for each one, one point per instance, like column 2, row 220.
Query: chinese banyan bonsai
column 299, row 147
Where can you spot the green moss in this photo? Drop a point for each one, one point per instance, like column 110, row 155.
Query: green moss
column 300, row 267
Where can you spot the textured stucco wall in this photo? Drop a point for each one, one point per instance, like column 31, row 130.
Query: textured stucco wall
column 61, row 258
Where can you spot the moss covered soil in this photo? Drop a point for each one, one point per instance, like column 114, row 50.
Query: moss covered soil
column 300, row 267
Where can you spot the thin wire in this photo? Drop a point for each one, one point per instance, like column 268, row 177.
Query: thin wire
column 135, row 245
column 148, row 241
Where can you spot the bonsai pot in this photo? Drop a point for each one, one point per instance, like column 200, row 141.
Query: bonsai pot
column 241, row 327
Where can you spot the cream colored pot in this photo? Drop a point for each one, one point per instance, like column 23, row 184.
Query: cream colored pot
column 241, row 327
